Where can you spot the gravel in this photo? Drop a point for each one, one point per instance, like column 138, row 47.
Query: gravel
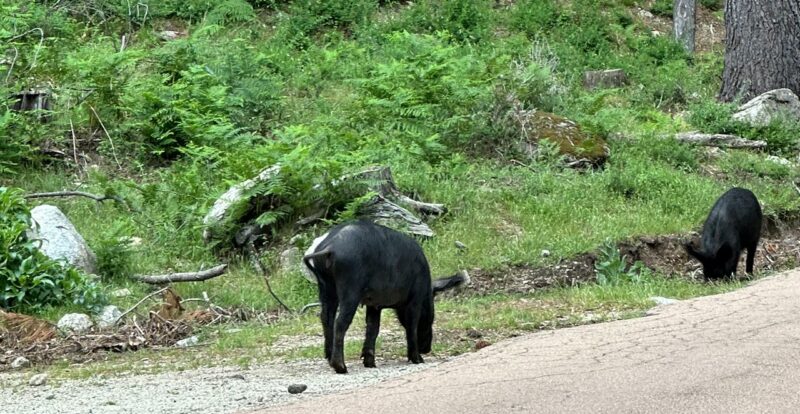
column 205, row 390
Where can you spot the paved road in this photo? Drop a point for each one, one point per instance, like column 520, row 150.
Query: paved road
column 732, row 353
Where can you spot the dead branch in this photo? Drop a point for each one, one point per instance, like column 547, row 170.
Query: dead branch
column 719, row 140
column 182, row 277
column 94, row 197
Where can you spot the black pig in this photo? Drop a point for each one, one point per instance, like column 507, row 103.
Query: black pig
column 369, row 264
column 734, row 224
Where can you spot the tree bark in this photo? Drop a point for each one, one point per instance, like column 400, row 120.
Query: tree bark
column 683, row 17
column 762, row 48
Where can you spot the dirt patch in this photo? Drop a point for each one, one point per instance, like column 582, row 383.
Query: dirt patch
column 779, row 249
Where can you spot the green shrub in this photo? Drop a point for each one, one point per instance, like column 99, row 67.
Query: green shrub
column 611, row 268
column 113, row 251
column 465, row 20
column 662, row 8
column 535, row 17
column 712, row 117
column 28, row 279
column 713, row 5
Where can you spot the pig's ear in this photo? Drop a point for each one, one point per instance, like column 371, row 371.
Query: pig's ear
column 694, row 253
column 724, row 253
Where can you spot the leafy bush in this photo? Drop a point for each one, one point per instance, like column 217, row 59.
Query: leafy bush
column 662, row 8
column 428, row 91
column 28, row 279
column 534, row 17
column 611, row 268
column 114, row 254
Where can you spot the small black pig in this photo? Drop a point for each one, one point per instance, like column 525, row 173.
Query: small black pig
column 734, row 224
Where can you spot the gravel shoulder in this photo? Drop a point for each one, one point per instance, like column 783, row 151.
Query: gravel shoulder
column 205, row 390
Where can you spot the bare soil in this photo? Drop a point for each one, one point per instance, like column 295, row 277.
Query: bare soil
column 779, row 249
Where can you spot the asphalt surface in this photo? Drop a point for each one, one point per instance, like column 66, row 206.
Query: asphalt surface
column 733, row 353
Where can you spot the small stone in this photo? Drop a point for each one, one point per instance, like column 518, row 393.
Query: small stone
column 545, row 253
column 187, row 342
column 663, row 301
column 121, row 293
column 75, row 323
column 20, row 362
column 238, row 376
column 779, row 160
column 37, row 380
column 481, row 344
column 459, row 245
column 261, row 399
column 474, row 334
column 50, row 397
column 108, row 317
column 297, row 388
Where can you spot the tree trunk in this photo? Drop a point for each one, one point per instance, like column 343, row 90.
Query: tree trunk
column 762, row 47
column 683, row 17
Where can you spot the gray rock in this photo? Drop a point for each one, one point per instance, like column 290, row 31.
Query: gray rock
column 38, row 380
column 545, row 253
column 108, row 316
column 59, row 238
column 20, row 362
column 75, row 323
column 764, row 108
column 663, row 301
column 290, row 259
column 459, row 245
column 297, row 388
column 779, row 160
column 187, row 342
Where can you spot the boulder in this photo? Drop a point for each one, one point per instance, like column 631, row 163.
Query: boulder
column 59, row 238
column 75, row 323
column 771, row 105
column 579, row 147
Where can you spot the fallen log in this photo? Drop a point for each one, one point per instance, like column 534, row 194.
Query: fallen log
column 719, row 140
column 182, row 277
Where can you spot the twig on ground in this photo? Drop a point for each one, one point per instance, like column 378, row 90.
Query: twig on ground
column 182, row 277
column 111, row 141
column 309, row 306
column 260, row 268
column 74, row 144
column 139, row 303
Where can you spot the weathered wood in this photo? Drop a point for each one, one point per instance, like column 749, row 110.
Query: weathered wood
column 610, row 78
column 683, row 23
column 385, row 212
column 719, row 140
column 383, row 184
column 182, row 277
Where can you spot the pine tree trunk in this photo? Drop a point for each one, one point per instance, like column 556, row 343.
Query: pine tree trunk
column 762, row 47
